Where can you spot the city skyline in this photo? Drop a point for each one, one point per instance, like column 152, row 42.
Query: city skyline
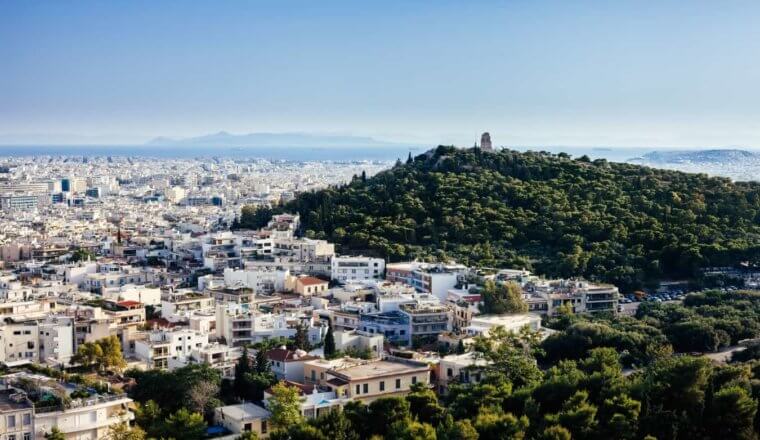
column 675, row 74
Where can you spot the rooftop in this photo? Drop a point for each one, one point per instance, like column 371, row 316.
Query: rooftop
column 244, row 411
column 311, row 281
column 13, row 400
column 379, row 368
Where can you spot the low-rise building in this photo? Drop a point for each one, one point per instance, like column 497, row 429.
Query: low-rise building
column 359, row 340
column 288, row 364
column 371, row 380
column 459, row 368
column 242, row 418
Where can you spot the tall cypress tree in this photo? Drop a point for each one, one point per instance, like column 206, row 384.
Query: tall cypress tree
column 329, row 346
column 242, row 368
column 302, row 338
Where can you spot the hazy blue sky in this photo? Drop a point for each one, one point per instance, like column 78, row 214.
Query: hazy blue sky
column 532, row 72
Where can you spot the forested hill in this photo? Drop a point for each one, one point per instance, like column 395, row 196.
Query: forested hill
column 621, row 223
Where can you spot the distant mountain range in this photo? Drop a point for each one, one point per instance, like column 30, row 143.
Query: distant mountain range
column 224, row 139
column 697, row 156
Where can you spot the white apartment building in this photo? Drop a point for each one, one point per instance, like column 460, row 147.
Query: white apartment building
column 346, row 269
column 19, row 343
column 85, row 419
column 56, row 340
column 239, row 325
column 181, row 306
column 481, row 324
column 161, row 346
column 259, row 280
column 218, row 356
column 146, row 295
column 426, row 277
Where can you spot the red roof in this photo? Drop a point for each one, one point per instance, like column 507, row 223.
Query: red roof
column 310, row 281
column 302, row 388
column 129, row 303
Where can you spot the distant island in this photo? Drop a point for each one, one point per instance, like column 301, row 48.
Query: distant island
column 225, row 139
column 713, row 156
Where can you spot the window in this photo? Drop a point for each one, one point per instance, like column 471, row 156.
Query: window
column 11, row 436
column 313, row 375
column 414, row 380
column 27, row 419
column 247, row 426
column 263, row 426
column 11, row 421
column 366, row 388
column 358, row 389
column 449, row 372
column 27, row 436
column 398, row 384
column 382, row 386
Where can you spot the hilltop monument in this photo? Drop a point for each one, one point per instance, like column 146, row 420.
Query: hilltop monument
column 485, row 142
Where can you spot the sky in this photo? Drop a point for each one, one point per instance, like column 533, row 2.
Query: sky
column 586, row 73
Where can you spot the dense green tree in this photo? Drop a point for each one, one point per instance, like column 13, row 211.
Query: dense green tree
column 732, row 414
column 672, row 392
column 285, row 406
column 336, row 426
column 358, row 415
column 387, row 409
column 501, row 298
column 298, row 431
column 424, row 406
column 170, row 390
column 148, row 417
column 103, row 354
column 411, row 430
column 190, row 426
column 55, row 434
column 449, row 429
column 556, row 432
column 122, row 431
column 494, row 424
column 254, row 217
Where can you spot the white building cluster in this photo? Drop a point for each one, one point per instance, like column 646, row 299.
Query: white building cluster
column 143, row 252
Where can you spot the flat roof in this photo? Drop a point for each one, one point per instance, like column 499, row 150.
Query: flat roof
column 18, row 402
column 380, row 368
column 244, row 411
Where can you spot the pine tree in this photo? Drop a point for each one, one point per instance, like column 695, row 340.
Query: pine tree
column 409, row 159
column 329, row 345
column 262, row 363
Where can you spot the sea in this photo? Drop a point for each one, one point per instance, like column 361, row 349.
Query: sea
column 300, row 154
